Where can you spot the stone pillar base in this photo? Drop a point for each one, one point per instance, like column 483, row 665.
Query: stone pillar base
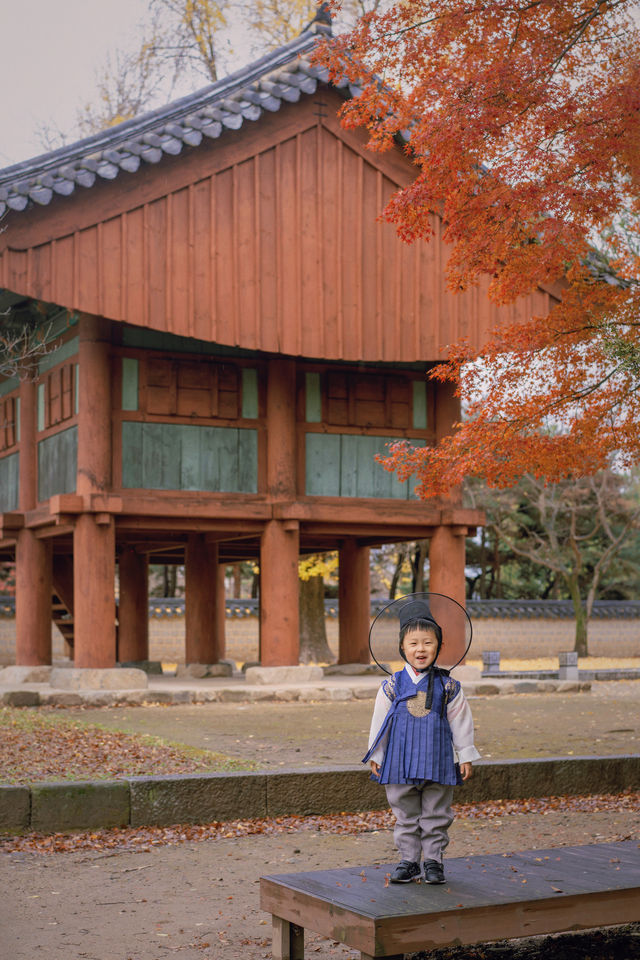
column 72, row 678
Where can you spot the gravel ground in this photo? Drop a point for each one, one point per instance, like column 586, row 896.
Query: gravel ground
column 200, row 900
column 602, row 722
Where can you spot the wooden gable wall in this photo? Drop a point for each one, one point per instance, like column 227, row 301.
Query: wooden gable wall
column 267, row 240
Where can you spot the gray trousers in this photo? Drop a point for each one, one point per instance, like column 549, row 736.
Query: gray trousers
column 423, row 817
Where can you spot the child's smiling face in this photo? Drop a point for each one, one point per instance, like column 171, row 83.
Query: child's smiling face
column 420, row 648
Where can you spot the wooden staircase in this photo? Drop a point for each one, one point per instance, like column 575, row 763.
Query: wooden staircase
column 63, row 619
column 62, row 600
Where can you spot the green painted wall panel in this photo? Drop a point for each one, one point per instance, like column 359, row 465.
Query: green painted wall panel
column 249, row 393
column 313, row 398
column 323, row 465
column 40, row 393
column 57, row 463
column 129, row 383
column 169, row 456
column 9, row 482
column 419, row 405
column 248, row 460
column 344, row 465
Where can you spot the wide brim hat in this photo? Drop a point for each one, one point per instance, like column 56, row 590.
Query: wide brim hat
column 451, row 617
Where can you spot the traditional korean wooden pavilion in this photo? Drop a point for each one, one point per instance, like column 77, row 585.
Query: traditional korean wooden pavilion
column 233, row 337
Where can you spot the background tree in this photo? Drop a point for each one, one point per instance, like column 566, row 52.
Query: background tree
column 23, row 340
column 187, row 43
column 312, row 570
column 524, row 125
column 575, row 529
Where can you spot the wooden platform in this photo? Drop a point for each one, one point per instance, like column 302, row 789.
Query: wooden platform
column 485, row 898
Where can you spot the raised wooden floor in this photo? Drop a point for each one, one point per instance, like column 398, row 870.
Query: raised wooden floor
column 485, row 898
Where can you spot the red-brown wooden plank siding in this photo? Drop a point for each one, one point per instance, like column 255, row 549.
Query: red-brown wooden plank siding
column 269, row 240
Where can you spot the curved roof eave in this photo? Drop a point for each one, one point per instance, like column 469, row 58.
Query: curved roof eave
column 264, row 85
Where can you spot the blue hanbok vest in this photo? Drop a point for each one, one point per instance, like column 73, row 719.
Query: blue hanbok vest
column 420, row 746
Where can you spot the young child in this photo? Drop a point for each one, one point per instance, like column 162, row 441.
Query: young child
column 420, row 717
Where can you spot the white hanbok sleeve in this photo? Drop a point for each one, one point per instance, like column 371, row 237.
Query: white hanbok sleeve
column 461, row 724
column 380, row 710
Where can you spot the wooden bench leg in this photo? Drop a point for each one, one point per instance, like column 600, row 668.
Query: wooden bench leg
column 288, row 940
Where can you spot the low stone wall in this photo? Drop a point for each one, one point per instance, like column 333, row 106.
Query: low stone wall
column 209, row 797
column 521, row 638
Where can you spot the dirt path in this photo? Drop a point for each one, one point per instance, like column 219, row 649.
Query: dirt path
column 601, row 722
column 200, row 900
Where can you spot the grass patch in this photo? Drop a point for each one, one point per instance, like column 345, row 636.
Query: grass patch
column 38, row 747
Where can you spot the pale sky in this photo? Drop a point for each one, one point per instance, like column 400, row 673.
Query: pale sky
column 51, row 51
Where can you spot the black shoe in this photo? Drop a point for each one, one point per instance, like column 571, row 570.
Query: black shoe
column 433, row 872
column 405, row 872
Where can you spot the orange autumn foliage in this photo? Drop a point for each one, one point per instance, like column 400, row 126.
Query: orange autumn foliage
column 523, row 121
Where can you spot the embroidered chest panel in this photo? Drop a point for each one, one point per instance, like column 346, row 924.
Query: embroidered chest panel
column 417, row 706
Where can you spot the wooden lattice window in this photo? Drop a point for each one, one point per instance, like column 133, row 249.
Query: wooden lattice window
column 57, row 396
column 8, row 423
column 185, row 388
column 366, row 400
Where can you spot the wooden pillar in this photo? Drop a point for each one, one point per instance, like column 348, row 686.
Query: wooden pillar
column 133, row 608
column 201, row 600
column 94, row 535
column 353, row 597
column 94, row 609
column 281, row 429
column 94, row 407
column 279, row 612
column 279, row 545
column 33, row 600
column 447, row 413
column 446, row 576
column 221, row 612
column 33, row 556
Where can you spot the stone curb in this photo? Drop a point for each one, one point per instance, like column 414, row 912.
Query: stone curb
column 21, row 697
column 208, row 797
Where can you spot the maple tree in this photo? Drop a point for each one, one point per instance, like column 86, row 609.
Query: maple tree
column 523, row 120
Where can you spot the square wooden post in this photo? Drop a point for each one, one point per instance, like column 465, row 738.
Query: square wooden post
column 201, row 600
column 279, row 594
column 288, row 940
column 279, row 544
column 354, row 603
column 133, row 607
column 446, row 576
column 94, row 606
column 33, row 600
column 94, row 535
column 221, row 611
column 33, row 556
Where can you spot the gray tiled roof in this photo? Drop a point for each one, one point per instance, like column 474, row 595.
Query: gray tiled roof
column 282, row 76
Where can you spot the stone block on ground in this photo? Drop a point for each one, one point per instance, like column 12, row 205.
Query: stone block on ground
column 21, row 698
column 323, row 791
column 22, row 674
column 549, row 776
column 199, row 671
column 352, row 669
column 60, row 699
column 310, row 694
column 365, row 693
column 197, row 798
column 15, row 808
column 151, row 667
column 288, row 674
column 86, row 678
column 88, row 805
